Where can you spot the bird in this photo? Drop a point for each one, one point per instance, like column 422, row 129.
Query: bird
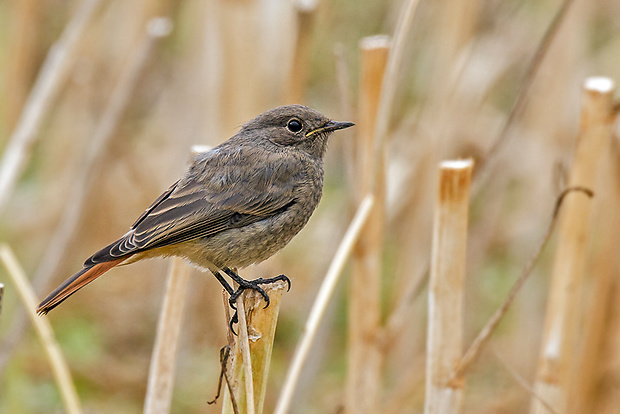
column 236, row 205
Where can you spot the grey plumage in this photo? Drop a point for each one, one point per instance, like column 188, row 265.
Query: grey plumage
column 237, row 204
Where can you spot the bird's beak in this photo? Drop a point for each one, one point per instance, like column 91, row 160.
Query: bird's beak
column 331, row 126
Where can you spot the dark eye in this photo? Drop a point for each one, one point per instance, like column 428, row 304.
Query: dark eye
column 294, row 125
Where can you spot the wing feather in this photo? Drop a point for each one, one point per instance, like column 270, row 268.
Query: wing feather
column 223, row 196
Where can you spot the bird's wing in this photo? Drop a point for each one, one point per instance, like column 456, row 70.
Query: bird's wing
column 232, row 195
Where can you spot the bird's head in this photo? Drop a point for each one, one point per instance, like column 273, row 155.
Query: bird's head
column 295, row 126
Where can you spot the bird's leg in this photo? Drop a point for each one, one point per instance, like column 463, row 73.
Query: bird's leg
column 252, row 284
column 231, row 292
column 223, row 282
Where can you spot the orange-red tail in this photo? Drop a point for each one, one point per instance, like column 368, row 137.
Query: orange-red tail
column 75, row 283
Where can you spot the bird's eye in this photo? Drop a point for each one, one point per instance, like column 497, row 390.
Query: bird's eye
column 294, row 125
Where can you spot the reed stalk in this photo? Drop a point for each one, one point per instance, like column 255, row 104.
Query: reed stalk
column 363, row 378
column 252, row 349
column 556, row 364
column 444, row 394
column 163, row 359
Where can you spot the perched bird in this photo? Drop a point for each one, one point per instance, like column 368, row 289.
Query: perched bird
column 237, row 205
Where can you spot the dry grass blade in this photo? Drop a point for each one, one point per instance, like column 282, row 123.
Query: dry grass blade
column 524, row 383
column 390, row 83
column 320, row 304
column 486, row 163
column 43, row 329
column 161, row 373
column 52, row 76
column 474, row 350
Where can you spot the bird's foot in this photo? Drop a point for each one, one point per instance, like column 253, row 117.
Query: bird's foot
column 254, row 285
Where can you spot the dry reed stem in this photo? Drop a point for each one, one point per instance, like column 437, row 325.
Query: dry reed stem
column 477, row 346
column 364, row 356
column 244, row 348
column 598, row 308
column 555, row 368
column 161, row 372
column 52, row 76
column 43, row 329
column 320, row 304
column 390, row 84
column 93, row 162
column 253, row 348
column 1, row 296
column 305, row 11
column 445, row 307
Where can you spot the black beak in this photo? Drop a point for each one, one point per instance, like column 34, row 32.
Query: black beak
column 335, row 125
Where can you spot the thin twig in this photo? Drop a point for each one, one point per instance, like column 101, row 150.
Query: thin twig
column 320, row 304
column 522, row 382
column 483, row 337
column 52, row 76
column 93, row 162
column 244, row 346
column 224, row 355
column 485, row 163
column 43, row 329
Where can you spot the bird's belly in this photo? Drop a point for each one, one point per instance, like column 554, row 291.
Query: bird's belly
column 247, row 245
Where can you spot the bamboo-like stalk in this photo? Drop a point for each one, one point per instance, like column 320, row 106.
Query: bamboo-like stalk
column 305, row 11
column 161, row 372
column 92, row 163
column 43, row 329
column 52, row 76
column 600, row 329
column 556, row 359
column 445, row 304
column 366, row 265
column 257, row 328
column 320, row 304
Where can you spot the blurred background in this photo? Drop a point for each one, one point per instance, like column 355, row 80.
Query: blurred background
column 226, row 61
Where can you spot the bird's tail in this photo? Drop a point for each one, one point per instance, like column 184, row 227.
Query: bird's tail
column 75, row 283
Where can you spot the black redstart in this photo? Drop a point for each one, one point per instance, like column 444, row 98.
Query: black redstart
column 237, row 204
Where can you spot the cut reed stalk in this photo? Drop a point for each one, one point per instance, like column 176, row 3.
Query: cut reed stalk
column 444, row 394
column 257, row 328
column 161, row 372
column 52, row 76
column 556, row 365
column 366, row 265
column 44, row 331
